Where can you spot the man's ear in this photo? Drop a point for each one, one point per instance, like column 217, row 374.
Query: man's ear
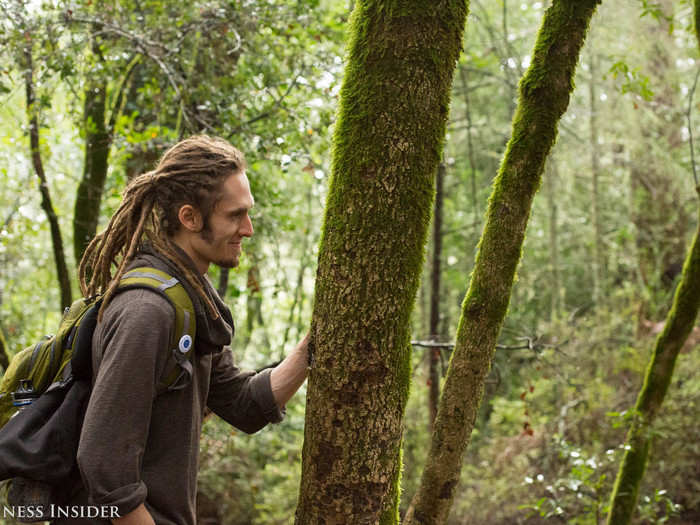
column 190, row 218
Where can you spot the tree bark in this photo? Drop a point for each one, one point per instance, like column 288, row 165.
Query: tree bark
column 97, row 145
column 544, row 96
column 98, row 140
column 223, row 282
column 434, row 363
column 386, row 149
column 4, row 356
column 46, row 204
column 679, row 324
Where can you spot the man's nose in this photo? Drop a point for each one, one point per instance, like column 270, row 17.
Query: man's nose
column 246, row 229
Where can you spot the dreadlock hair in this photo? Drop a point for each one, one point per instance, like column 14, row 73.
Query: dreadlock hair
column 190, row 172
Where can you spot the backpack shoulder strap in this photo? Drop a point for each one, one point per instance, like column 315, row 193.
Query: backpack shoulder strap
column 177, row 376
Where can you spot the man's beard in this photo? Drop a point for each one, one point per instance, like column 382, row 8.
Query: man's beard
column 226, row 263
column 206, row 236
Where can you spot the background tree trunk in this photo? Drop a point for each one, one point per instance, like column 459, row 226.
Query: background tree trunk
column 99, row 133
column 598, row 257
column 223, row 282
column 544, row 96
column 434, row 362
column 551, row 180
column 46, row 204
column 4, row 356
column 97, row 144
column 464, row 75
column 386, row 149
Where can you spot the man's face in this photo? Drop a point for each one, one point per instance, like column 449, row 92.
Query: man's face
column 220, row 243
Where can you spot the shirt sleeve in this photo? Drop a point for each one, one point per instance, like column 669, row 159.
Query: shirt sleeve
column 133, row 336
column 242, row 398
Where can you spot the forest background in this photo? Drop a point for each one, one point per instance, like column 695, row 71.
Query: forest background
column 114, row 84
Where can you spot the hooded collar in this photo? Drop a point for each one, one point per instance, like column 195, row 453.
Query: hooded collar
column 212, row 334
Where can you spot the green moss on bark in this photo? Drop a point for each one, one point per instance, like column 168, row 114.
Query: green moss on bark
column 386, row 148
column 544, row 96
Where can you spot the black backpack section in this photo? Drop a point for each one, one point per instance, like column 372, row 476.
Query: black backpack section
column 39, row 444
column 51, row 425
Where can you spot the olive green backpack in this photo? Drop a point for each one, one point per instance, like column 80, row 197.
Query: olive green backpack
column 33, row 370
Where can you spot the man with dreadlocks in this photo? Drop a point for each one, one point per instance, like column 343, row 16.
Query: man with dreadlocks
column 138, row 447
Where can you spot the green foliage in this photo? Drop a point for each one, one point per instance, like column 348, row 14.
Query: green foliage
column 251, row 479
column 580, row 495
column 564, row 470
column 631, row 80
column 654, row 10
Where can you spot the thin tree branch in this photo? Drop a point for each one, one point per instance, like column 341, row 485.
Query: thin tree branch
column 531, row 344
column 268, row 112
column 117, row 106
column 10, row 216
column 46, row 204
column 147, row 48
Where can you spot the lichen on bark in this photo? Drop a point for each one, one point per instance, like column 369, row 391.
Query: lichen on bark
column 386, row 147
column 544, row 96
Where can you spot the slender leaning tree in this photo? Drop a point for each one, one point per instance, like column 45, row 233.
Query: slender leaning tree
column 679, row 324
column 544, row 96
column 386, row 149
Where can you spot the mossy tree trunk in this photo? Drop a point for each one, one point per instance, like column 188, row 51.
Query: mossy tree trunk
column 386, row 149
column 91, row 186
column 99, row 133
column 544, row 96
column 679, row 323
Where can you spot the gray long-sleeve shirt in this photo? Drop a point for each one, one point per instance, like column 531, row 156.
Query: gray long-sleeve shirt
column 138, row 446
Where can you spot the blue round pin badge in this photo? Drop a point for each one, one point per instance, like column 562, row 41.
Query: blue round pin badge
column 185, row 344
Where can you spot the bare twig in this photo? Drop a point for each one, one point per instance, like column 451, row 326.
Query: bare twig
column 10, row 216
column 531, row 344
column 147, row 48
column 267, row 112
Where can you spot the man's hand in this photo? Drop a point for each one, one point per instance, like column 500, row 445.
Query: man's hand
column 288, row 376
column 138, row 516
